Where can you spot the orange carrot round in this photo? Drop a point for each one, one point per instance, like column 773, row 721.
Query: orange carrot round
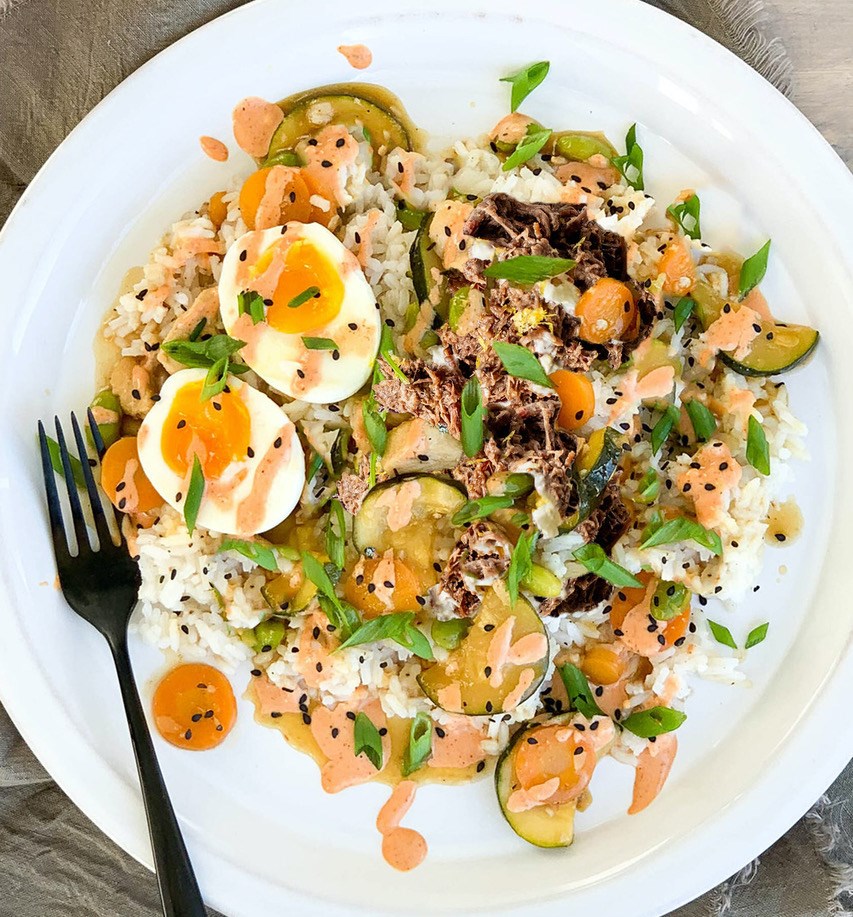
column 577, row 398
column 676, row 264
column 607, row 311
column 194, row 707
column 124, row 481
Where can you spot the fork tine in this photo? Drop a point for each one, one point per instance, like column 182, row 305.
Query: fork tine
column 101, row 526
column 73, row 496
column 95, row 430
column 54, row 508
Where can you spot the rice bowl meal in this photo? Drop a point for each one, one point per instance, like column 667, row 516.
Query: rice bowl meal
column 439, row 455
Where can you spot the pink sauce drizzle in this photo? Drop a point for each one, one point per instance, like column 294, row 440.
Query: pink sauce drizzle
column 255, row 121
column 213, row 148
column 358, row 56
column 403, row 848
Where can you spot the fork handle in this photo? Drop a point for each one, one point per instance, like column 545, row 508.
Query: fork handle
column 179, row 892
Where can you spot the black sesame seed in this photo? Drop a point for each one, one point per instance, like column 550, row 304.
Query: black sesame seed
column 250, row 452
column 489, row 706
column 120, row 486
column 277, row 443
column 243, row 255
column 217, row 406
column 219, row 727
column 142, row 294
column 488, row 627
column 188, row 734
column 300, row 373
column 306, row 718
column 371, row 588
column 135, row 394
column 335, row 732
column 123, row 502
column 350, row 715
column 480, row 766
column 487, row 671
column 275, row 714
column 352, row 326
column 326, row 164
column 779, row 536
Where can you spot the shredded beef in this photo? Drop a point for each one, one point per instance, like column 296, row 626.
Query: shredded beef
column 480, row 557
column 352, row 489
column 551, row 229
column 605, row 526
column 432, row 393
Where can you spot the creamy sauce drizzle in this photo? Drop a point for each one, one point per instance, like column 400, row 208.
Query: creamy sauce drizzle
column 250, row 512
column 403, row 848
column 213, row 148
column 255, row 121
column 360, row 57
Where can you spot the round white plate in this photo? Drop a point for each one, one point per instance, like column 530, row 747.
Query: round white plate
column 263, row 836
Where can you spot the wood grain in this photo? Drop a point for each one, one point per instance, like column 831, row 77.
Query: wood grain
column 819, row 37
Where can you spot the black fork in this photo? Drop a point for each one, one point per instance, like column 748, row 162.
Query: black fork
column 101, row 585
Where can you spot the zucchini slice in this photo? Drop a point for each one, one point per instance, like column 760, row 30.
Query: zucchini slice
column 580, row 146
column 427, row 271
column 777, row 348
column 411, row 515
column 592, row 473
column 350, row 104
column 546, row 825
column 462, row 683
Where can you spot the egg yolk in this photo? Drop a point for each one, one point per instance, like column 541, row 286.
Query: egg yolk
column 218, row 430
column 194, row 707
column 306, row 268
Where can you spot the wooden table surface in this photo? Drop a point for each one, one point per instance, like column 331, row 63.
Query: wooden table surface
column 819, row 37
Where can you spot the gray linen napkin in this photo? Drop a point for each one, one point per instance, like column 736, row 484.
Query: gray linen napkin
column 58, row 58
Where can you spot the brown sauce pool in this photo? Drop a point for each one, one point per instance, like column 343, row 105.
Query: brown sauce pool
column 298, row 734
column 784, row 522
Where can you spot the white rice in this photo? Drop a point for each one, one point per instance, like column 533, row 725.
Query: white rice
column 183, row 576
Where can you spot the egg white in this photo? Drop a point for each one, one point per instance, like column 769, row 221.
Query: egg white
column 276, row 356
column 222, row 498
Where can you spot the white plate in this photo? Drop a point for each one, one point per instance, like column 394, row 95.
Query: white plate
column 263, row 836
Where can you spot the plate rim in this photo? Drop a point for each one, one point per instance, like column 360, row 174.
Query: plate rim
column 838, row 681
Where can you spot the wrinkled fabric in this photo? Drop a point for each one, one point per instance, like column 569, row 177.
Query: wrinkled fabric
column 58, row 58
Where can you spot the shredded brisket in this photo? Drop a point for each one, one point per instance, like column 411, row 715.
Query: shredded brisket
column 432, row 393
column 605, row 526
column 352, row 489
column 480, row 557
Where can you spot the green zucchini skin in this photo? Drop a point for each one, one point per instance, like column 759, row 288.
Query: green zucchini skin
column 591, row 486
column 423, row 260
column 763, row 359
column 364, row 532
column 755, row 364
column 536, row 826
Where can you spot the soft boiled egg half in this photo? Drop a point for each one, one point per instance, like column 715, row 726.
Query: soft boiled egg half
column 250, row 454
column 300, row 301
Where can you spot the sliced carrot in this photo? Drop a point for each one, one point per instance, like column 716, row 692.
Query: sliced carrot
column 194, row 707
column 294, row 202
column 577, row 398
column 361, row 591
column 124, row 481
column 607, row 311
column 561, row 752
column 676, row 264
column 625, row 599
column 217, row 209
column 602, row 664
